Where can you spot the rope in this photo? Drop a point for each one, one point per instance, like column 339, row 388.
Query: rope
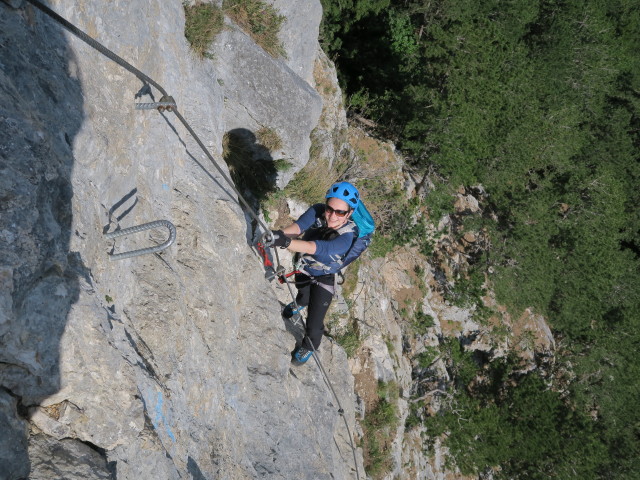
column 148, row 80
column 323, row 372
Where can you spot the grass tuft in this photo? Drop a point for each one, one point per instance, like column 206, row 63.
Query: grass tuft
column 269, row 139
column 203, row 21
column 349, row 339
column 312, row 182
column 260, row 21
column 380, row 424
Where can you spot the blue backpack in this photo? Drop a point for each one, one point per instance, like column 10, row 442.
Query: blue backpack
column 366, row 227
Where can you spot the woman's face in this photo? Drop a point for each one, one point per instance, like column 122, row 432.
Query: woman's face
column 336, row 206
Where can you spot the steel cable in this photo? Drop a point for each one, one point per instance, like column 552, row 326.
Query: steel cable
column 148, row 80
column 98, row 46
column 323, row 372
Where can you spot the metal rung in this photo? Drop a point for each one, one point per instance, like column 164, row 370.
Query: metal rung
column 153, row 106
column 165, row 103
column 141, row 228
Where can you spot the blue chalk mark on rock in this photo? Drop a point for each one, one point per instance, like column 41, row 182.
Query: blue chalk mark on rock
column 160, row 418
column 165, row 186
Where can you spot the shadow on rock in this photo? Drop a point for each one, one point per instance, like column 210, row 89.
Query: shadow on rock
column 194, row 470
column 41, row 111
column 252, row 167
column 295, row 329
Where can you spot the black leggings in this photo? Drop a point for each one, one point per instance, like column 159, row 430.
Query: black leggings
column 313, row 294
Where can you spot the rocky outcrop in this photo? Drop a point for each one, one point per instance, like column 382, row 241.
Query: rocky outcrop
column 262, row 92
column 173, row 365
column 299, row 35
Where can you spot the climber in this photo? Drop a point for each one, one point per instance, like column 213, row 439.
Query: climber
column 326, row 234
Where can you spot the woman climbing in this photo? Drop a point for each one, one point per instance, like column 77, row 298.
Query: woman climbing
column 322, row 237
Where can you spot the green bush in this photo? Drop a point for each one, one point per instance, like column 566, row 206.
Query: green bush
column 282, row 164
column 380, row 246
column 384, row 415
column 377, row 458
column 427, row 357
column 413, row 419
column 422, row 323
column 468, row 289
column 380, row 425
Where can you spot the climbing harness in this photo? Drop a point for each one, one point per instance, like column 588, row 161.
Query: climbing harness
column 167, row 103
column 141, row 228
column 283, row 278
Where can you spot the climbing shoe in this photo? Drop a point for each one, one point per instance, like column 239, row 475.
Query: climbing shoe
column 300, row 355
column 291, row 312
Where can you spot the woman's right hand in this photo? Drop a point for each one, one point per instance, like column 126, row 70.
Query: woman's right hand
column 277, row 238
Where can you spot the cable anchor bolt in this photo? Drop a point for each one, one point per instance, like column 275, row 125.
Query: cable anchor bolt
column 166, row 103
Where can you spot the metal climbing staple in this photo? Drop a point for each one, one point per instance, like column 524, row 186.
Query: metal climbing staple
column 166, row 103
column 141, row 228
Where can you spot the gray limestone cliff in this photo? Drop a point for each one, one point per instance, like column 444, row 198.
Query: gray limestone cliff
column 173, row 365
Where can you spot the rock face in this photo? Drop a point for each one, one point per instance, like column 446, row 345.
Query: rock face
column 262, row 92
column 172, row 365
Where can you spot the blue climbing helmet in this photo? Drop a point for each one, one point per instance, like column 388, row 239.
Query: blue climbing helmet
column 344, row 191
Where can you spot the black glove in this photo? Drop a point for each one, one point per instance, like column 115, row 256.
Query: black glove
column 278, row 239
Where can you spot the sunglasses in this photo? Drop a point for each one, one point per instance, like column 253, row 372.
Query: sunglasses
column 339, row 213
